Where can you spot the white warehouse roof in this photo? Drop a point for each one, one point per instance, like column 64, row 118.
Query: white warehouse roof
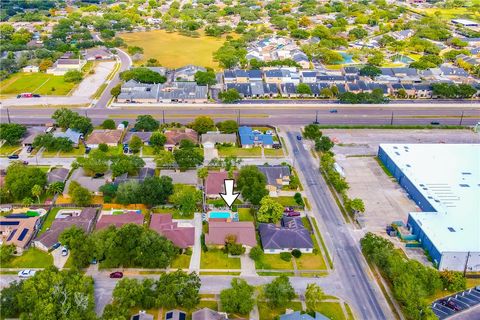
column 448, row 176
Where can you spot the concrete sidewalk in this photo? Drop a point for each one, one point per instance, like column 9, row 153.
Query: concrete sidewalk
column 197, row 247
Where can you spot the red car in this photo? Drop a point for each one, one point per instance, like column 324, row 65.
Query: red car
column 116, row 275
column 292, row 214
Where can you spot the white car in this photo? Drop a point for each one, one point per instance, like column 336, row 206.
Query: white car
column 64, row 251
column 26, row 273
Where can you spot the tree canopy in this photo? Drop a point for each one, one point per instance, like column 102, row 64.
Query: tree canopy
column 146, row 123
column 142, row 75
column 202, row 124
column 203, row 78
column 238, row 298
column 279, row 292
column 227, row 126
column 12, row 132
column 20, row 180
column 67, row 118
column 270, row 210
column 252, row 184
column 230, row 96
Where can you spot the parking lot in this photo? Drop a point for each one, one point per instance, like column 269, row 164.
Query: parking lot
column 463, row 300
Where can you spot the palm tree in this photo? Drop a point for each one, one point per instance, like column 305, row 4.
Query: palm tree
column 37, row 191
column 56, row 187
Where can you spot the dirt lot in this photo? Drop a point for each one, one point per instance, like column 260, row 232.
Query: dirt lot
column 385, row 201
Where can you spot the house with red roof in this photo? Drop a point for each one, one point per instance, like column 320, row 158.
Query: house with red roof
column 219, row 230
column 181, row 237
column 118, row 220
column 175, row 136
column 214, row 183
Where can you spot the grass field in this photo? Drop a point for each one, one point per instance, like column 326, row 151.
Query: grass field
column 173, row 50
column 273, row 262
column 451, row 13
column 6, row 150
column 180, row 262
column 239, row 152
column 274, row 153
column 332, row 310
column 266, row 312
column 216, row 259
column 244, row 214
column 32, row 258
column 41, row 83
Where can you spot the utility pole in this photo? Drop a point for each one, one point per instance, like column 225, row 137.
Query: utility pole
column 461, row 118
column 86, row 114
column 466, row 263
column 391, row 119
column 316, row 117
column 8, row 116
column 238, row 118
column 163, row 116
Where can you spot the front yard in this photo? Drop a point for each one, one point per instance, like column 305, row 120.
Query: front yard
column 217, row 259
column 182, row 261
column 239, row 152
column 273, row 153
column 273, row 262
column 267, row 312
column 6, row 150
column 32, row 258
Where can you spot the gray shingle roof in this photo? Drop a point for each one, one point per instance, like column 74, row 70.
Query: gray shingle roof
column 291, row 235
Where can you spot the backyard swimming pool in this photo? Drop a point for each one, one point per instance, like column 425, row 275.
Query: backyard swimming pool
column 347, row 58
column 219, row 215
column 402, row 58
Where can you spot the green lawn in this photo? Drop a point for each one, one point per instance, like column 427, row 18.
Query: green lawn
column 41, row 83
column 173, row 50
column 286, row 201
column 182, row 261
column 268, row 313
column 6, row 150
column 244, row 214
column 216, row 259
column 273, row 262
column 148, row 151
column 32, row 258
column 175, row 213
column 239, row 152
column 76, row 152
column 331, row 310
column 50, row 217
column 274, row 153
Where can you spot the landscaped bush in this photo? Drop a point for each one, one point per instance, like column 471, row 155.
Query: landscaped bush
column 286, row 256
column 256, row 253
column 296, row 253
column 202, row 241
column 235, row 249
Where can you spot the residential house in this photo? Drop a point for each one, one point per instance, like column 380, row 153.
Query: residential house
column 210, row 139
column 308, row 76
column 214, row 183
column 186, row 92
column 209, row 314
column 118, row 220
column 90, row 183
column 30, row 69
column 99, row 53
column 18, row 229
column 175, row 136
column 251, row 138
column 83, row 219
column 57, row 175
column 187, row 73
column 288, row 90
column 63, row 65
column 244, row 89
column 72, row 135
column 188, row 177
column 283, row 75
column 298, row 315
column 175, row 315
column 144, row 136
column 133, row 91
column 142, row 315
column 423, row 91
column 31, row 134
column 181, row 236
column 160, row 70
column 143, row 173
column 219, row 230
column 290, row 235
column 109, row 137
column 277, row 176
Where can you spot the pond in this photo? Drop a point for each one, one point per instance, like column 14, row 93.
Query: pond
column 347, row 58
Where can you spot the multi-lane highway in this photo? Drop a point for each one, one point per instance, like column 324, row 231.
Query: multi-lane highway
column 350, row 265
column 289, row 114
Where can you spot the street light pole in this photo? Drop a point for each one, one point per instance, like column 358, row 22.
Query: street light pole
column 461, row 118
column 391, row 119
column 8, row 116
column 163, row 116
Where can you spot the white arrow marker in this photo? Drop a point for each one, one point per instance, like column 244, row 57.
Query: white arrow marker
column 229, row 196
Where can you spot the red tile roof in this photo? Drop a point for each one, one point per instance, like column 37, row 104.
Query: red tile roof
column 175, row 136
column 214, row 182
column 218, row 231
column 182, row 237
column 119, row 220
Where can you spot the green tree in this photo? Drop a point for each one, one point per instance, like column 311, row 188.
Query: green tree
column 142, row 75
column 164, row 158
column 135, row 144
column 202, row 173
column 203, row 78
column 355, row 205
column 73, row 76
column 187, row 158
column 128, row 292
column 157, row 140
column 96, row 162
column 227, row 126
column 230, row 96
column 453, row 280
column 370, row 71
column 109, row 124
column 304, row 89
column 270, row 210
column 6, row 253
column 115, row 91
column 12, row 132
column 314, row 295
column 323, row 144
column 79, row 244
column 37, row 192
column 21, row 179
column 202, row 124
column 9, row 299
column 312, row 132
column 252, row 184
column 129, row 193
column 256, row 253
column 126, row 164
column 185, row 198
column 279, row 292
column 156, row 190
column 80, row 196
column 238, row 298
column 146, row 123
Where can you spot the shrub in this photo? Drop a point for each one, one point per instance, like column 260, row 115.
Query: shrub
column 202, row 241
column 285, row 256
column 103, row 147
column 296, row 253
column 256, row 253
column 235, row 249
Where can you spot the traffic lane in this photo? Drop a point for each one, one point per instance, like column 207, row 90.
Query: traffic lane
column 470, row 314
column 346, row 253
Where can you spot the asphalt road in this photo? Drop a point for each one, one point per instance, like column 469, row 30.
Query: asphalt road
column 364, row 294
column 281, row 115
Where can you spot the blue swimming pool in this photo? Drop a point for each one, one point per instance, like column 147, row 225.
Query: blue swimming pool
column 402, row 58
column 219, row 215
column 347, row 58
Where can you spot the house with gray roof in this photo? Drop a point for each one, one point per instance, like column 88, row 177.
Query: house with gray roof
column 209, row 314
column 277, row 176
column 144, row 136
column 210, row 139
column 70, row 134
column 290, row 235
column 143, row 173
column 57, row 175
column 188, row 92
column 133, row 91
column 298, row 315
column 187, row 73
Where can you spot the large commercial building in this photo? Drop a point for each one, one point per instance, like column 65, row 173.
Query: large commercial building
column 444, row 181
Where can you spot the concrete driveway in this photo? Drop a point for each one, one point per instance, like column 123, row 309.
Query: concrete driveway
column 59, row 260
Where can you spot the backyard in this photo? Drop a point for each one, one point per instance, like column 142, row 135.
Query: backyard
column 173, row 50
column 32, row 258
column 41, row 83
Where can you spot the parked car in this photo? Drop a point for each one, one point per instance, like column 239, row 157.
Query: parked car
column 299, row 138
column 288, row 209
column 116, row 275
column 27, row 273
column 13, row 156
column 98, row 175
column 87, row 150
column 334, row 111
column 450, row 304
column 292, row 214
column 477, row 288
column 434, row 123
column 36, row 95
column 64, row 251
column 25, row 163
column 56, row 245
column 29, row 149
